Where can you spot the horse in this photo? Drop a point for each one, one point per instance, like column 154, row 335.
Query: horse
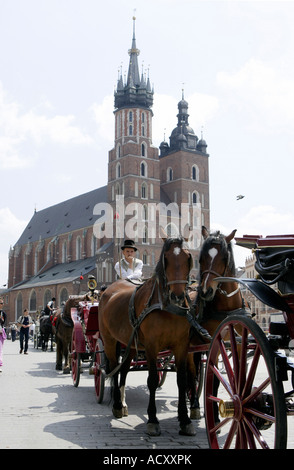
column 63, row 332
column 46, row 331
column 214, row 301
column 151, row 317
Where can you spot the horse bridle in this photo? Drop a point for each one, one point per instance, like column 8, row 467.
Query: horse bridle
column 176, row 281
column 211, row 271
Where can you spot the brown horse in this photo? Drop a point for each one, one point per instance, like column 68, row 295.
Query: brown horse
column 63, row 334
column 214, row 300
column 153, row 318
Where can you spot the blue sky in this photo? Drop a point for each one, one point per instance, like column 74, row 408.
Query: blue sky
column 59, row 62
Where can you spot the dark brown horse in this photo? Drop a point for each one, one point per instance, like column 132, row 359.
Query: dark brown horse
column 215, row 300
column 153, row 318
column 63, row 334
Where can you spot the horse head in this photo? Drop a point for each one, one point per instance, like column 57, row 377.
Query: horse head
column 216, row 260
column 173, row 269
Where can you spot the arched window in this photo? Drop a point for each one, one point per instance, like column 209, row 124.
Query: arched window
column 194, row 197
column 93, row 245
column 118, row 151
column 145, row 212
column 144, row 191
column 64, row 252
column 169, row 174
column 48, row 252
column 130, row 129
column 36, row 262
column 18, row 306
column 195, row 173
column 118, row 170
column 47, row 297
column 78, row 248
column 145, row 236
column 33, row 301
column 143, row 150
column 143, row 169
column 63, row 296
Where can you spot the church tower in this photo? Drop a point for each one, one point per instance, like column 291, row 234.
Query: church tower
column 184, row 171
column 133, row 166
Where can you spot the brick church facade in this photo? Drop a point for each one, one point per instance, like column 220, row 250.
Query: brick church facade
column 147, row 187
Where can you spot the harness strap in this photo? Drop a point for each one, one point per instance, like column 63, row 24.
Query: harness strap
column 136, row 321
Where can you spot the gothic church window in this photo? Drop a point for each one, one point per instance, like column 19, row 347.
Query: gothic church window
column 143, row 169
column 118, row 170
column 194, row 198
column 195, row 173
column 33, row 301
column 78, row 248
column 169, row 174
column 144, row 191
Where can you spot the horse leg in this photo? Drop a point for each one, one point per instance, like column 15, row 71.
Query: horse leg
column 186, row 426
column 193, row 370
column 65, row 350
column 153, row 428
column 51, row 338
column 58, row 354
column 122, row 384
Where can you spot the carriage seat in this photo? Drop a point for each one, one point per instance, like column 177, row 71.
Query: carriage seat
column 276, row 265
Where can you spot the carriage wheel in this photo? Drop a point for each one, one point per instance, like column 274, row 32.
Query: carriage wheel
column 244, row 403
column 99, row 370
column 75, row 362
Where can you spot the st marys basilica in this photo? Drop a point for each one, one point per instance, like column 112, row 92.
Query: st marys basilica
column 147, row 187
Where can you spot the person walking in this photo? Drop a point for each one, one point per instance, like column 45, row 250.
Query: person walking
column 24, row 322
column 2, row 332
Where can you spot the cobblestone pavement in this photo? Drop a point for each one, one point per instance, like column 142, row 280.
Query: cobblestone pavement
column 41, row 409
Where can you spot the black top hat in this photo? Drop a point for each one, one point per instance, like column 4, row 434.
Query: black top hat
column 128, row 244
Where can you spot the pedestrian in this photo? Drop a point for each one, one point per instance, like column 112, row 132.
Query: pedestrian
column 2, row 332
column 24, row 323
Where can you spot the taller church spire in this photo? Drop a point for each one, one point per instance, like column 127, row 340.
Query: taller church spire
column 136, row 91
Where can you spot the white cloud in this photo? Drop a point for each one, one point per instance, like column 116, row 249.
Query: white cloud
column 24, row 128
column 264, row 92
column 103, row 115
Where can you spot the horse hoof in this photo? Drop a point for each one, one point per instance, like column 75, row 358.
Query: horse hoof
column 153, row 429
column 187, row 430
column 195, row 413
column 125, row 410
column 66, row 370
column 117, row 413
column 57, row 367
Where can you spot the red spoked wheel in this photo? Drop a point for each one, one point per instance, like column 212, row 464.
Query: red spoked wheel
column 99, row 370
column 75, row 362
column 244, row 402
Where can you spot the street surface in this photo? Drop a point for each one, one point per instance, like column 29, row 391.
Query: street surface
column 41, row 409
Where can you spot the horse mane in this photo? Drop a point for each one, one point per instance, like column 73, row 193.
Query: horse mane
column 160, row 268
column 226, row 249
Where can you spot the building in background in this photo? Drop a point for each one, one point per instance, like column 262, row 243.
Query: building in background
column 147, row 187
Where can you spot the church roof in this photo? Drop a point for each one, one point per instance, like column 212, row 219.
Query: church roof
column 67, row 216
column 59, row 274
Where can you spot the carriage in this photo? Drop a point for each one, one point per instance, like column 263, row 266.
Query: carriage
column 249, row 381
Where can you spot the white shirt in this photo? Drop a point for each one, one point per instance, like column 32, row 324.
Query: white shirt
column 126, row 272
